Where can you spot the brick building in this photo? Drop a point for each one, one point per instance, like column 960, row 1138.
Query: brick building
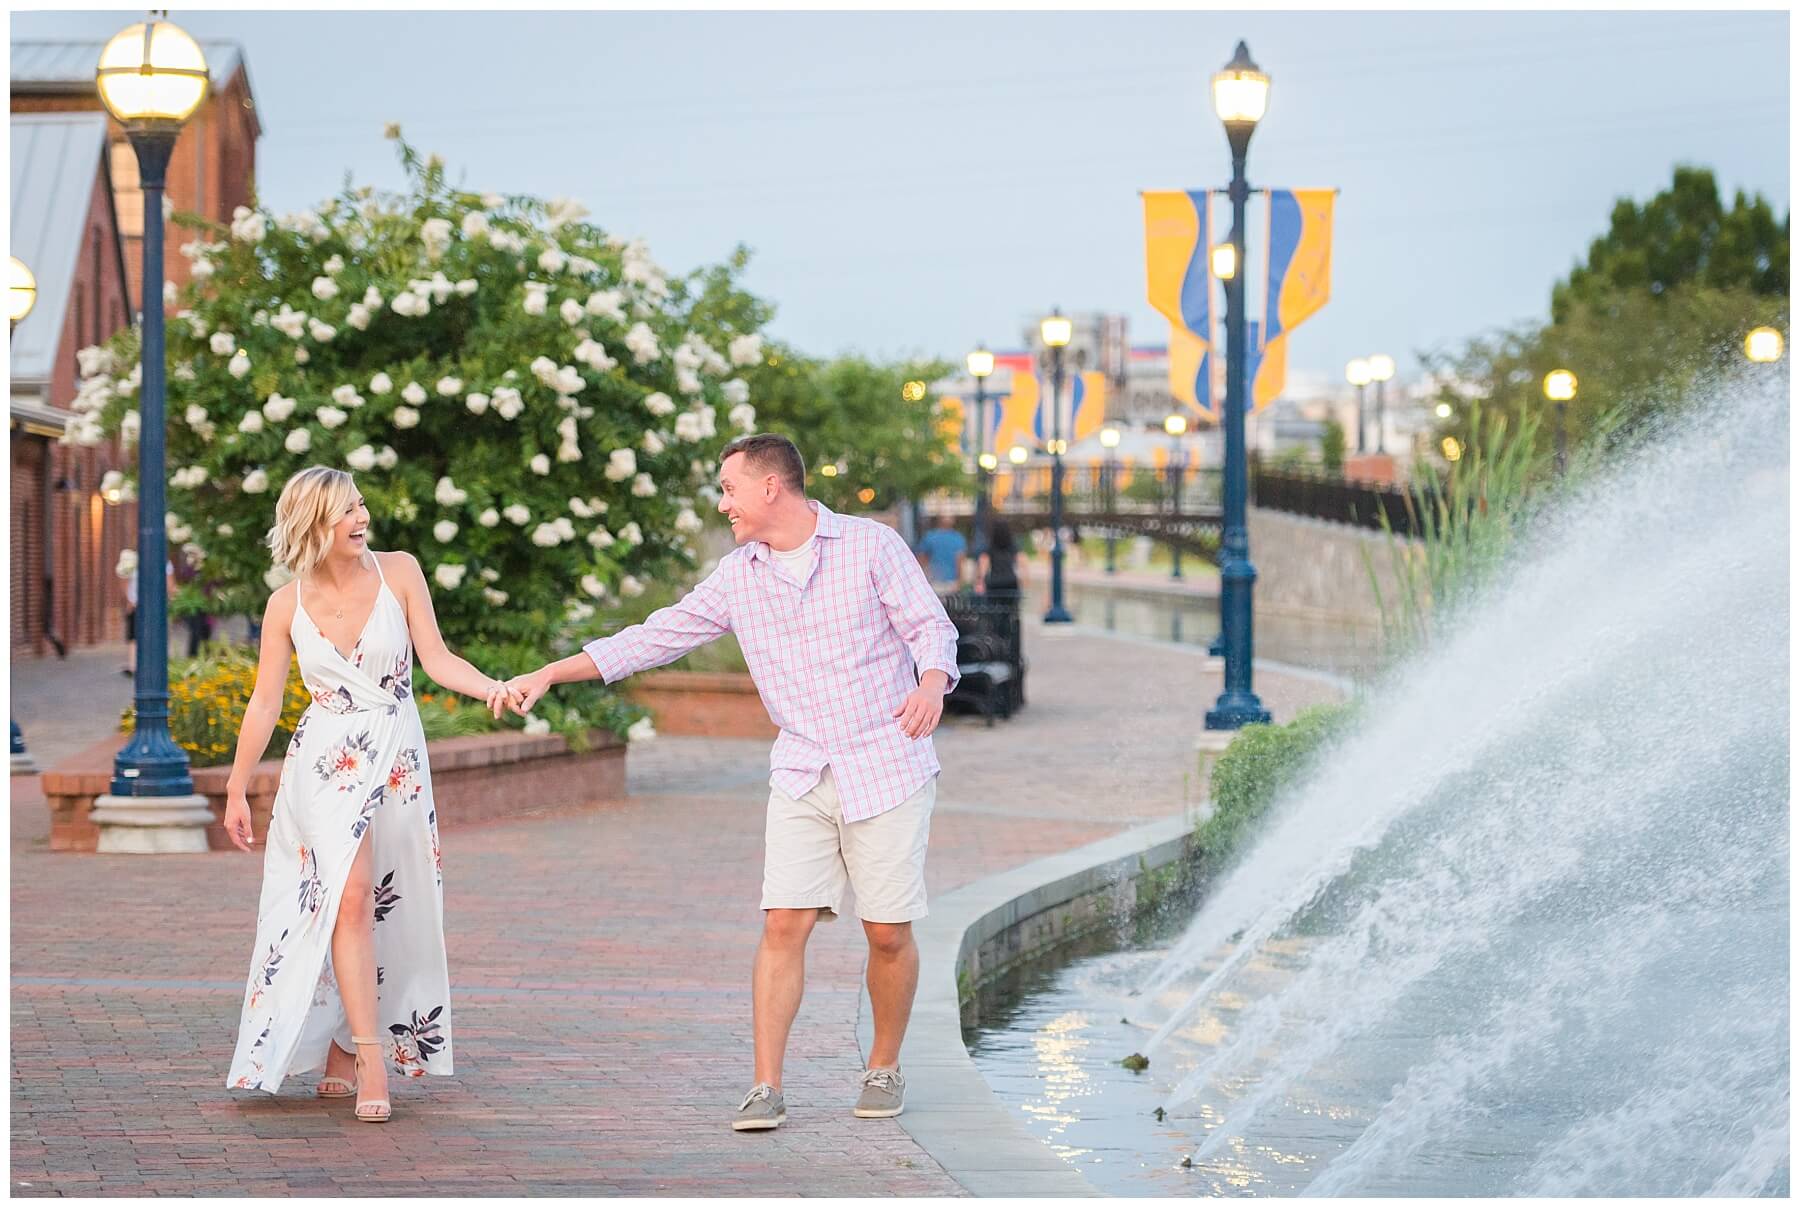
column 77, row 223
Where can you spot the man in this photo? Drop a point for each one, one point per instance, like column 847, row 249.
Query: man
column 835, row 618
column 942, row 550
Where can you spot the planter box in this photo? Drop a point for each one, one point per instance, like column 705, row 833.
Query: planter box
column 703, row 704
column 474, row 779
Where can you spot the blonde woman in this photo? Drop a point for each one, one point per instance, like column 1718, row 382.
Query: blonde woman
column 348, row 971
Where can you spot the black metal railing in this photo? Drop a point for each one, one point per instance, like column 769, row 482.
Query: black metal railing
column 1329, row 497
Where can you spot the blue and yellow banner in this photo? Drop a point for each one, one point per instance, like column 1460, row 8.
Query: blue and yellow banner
column 1298, row 283
column 1084, row 408
column 1177, row 247
column 953, row 423
column 1016, row 414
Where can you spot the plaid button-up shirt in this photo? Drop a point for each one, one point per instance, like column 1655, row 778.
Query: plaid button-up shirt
column 832, row 658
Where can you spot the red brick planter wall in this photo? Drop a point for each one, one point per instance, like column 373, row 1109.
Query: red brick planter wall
column 703, row 704
column 483, row 776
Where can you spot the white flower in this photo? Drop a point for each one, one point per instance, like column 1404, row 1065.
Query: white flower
column 591, row 584
column 642, row 730
column 112, row 480
column 492, row 201
column 744, row 417
column 466, row 286
column 688, row 521
column 223, row 343
column 413, row 393
column 95, row 360
column 571, row 311
column 444, row 530
column 324, row 288
column 248, row 225
column 405, row 417
column 737, row 390
column 361, row 458
column 410, row 304
column 488, row 518
column 201, row 269
column 474, row 224
column 435, row 232
column 537, row 298
column 256, row 481
column 582, row 266
column 358, row 316
column 277, row 576
column 301, row 356
column 540, row 464
column 372, row 298
column 746, row 350
column 687, row 426
column 564, row 527
column 508, row 402
column 592, row 353
column 477, row 402
column 290, row 323
column 686, row 356
column 391, row 131
column 580, row 508
column 195, row 416
column 177, row 533
column 642, row 343
column 660, row 404
column 518, row 513
column 629, row 586
column 381, row 383
column 600, row 538
column 448, row 493
column 277, row 409
column 240, row 363
column 653, row 444
column 298, row 441
column 621, row 464
column 706, row 421
column 552, row 260
column 225, row 530
column 335, row 265
column 346, row 396
column 322, row 332
column 439, row 288
column 387, row 459
column 169, row 294
column 535, row 725
column 127, row 564
column 449, row 575
column 565, row 210
column 406, row 510
column 631, row 534
column 332, row 417
column 449, row 387
column 687, row 381
column 546, row 536
column 494, row 596
column 569, row 380
column 606, row 304
column 545, row 370
column 643, row 487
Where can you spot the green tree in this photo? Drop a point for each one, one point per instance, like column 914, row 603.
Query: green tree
column 1332, row 446
column 853, row 415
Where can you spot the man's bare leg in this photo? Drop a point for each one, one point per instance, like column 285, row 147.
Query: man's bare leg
column 893, row 981
column 777, row 983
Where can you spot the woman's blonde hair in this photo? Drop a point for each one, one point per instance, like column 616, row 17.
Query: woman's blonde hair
column 311, row 503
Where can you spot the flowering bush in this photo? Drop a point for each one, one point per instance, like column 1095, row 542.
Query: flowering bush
column 531, row 406
column 207, row 699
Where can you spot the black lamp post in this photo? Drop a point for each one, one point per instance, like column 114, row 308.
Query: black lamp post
column 1559, row 388
column 1358, row 374
column 1240, row 96
column 1381, row 371
column 1175, row 426
column 981, row 364
column 151, row 77
column 1057, row 332
column 21, row 296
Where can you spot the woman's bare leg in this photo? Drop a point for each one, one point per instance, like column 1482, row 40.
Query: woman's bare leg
column 353, row 960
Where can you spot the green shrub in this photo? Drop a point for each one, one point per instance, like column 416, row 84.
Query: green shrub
column 1258, row 766
column 207, row 699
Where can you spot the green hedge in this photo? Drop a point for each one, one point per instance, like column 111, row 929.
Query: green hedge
column 1257, row 766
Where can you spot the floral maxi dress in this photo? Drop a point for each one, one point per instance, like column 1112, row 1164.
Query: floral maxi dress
column 355, row 771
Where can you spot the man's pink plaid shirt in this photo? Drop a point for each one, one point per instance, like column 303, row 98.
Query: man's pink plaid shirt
column 832, row 660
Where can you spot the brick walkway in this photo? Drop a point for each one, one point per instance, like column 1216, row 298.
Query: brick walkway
column 600, row 965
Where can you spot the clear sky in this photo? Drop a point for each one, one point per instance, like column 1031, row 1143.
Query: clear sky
column 915, row 182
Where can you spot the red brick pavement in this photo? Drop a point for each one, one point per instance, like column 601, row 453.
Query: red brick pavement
column 599, row 962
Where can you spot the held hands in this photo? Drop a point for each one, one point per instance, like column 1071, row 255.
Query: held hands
column 500, row 697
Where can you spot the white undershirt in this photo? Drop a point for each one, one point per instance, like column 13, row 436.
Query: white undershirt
column 797, row 563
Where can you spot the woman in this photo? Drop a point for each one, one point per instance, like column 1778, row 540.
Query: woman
column 999, row 570
column 348, row 971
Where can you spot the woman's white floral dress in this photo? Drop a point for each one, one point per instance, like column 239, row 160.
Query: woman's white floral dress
column 356, row 767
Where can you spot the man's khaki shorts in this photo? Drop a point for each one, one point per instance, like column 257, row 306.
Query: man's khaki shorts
column 811, row 854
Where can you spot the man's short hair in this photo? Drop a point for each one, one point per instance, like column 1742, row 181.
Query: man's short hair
column 771, row 453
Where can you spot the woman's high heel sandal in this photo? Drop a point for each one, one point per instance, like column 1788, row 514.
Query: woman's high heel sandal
column 333, row 1087
column 371, row 1111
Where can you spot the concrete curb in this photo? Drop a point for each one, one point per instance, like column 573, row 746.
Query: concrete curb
column 951, row 1111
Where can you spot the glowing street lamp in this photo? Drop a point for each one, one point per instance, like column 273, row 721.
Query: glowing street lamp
column 1224, row 261
column 1057, row 331
column 1559, row 388
column 151, row 77
column 1358, row 374
column 21, row 290
column 1381, row 370
column 1176, row 426
column 981, row 364
column 1018, row 455
column 1109, row 440
column 1764, row 345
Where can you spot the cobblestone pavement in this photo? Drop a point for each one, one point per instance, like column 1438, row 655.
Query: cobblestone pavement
column 599, row 964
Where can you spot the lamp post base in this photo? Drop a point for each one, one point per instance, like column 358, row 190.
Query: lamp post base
column 1058, row 615
column 152, row 825
column 1237, row 710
